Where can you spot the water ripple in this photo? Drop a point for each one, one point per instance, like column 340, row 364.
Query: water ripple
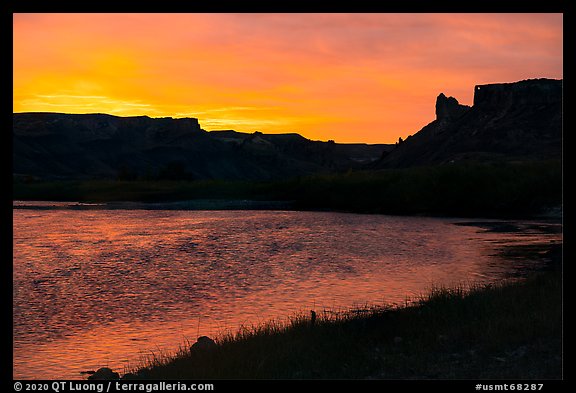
column 94, row 288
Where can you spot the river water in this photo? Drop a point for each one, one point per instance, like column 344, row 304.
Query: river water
column 98, row 287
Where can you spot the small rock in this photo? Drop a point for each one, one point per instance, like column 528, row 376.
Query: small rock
column 203, row 344
column 104, row 373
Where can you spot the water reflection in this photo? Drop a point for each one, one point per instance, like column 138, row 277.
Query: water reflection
column 95, row 288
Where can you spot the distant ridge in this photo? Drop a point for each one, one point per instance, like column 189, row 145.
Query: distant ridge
column 87, row 146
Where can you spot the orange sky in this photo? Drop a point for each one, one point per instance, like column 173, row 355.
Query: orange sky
column 348, row 77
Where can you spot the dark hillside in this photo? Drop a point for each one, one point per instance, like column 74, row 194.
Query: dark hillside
column 508, row 122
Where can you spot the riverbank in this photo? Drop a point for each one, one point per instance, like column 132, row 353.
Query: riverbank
column 511, row 330
column 503, row 190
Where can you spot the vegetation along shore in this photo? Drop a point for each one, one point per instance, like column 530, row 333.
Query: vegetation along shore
column 494, row 189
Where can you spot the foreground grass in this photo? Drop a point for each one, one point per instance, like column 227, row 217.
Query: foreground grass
column 511, row 331
column 500, row 189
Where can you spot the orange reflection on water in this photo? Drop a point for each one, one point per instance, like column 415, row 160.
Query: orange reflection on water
column 97, row 288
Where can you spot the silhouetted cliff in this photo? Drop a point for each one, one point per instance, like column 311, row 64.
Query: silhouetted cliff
column 523, row 94
column 508, row 121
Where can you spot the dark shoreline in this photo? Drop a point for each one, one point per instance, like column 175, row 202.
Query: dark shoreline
column 492, row 190
column 488, row 224
column 194, row 204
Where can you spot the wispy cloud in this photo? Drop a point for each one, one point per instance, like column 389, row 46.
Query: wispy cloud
column 78, row 103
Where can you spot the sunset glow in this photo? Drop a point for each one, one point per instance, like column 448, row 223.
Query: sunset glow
column 347, row 77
